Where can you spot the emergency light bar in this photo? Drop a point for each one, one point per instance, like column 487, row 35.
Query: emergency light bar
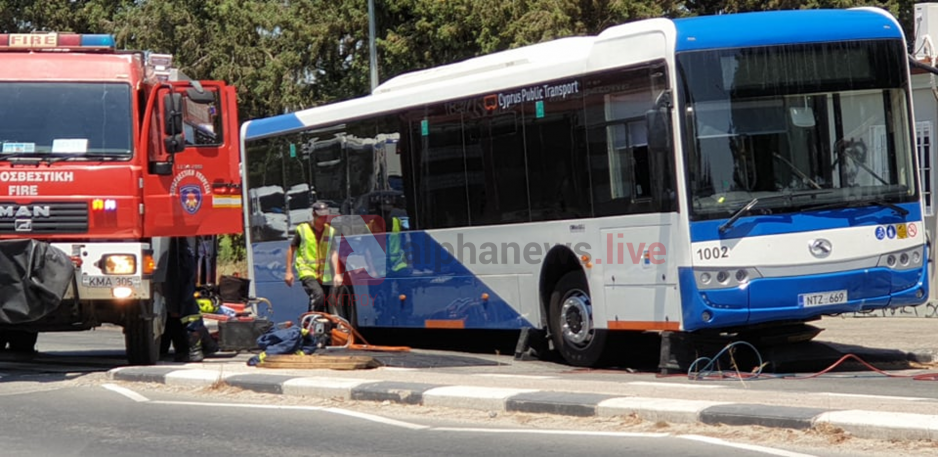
column 55, row 41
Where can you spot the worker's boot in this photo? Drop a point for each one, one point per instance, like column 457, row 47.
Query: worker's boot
column 195, row 338
column 209, row 345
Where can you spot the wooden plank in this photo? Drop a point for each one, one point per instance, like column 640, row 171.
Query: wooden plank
column 299, row 362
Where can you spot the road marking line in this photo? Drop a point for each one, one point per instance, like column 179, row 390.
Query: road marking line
column 748, row 447
column 126, row 392
column 378, row 419
column 236, row 405
column 552, row 432
column 877, row 397
column 672, row 384
column 344, row 412
column 517, row 376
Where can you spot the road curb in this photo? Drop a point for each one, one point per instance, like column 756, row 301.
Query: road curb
column 862, row 424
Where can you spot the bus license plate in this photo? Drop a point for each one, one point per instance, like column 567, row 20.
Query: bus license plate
column 833, row 297
column 110, row 281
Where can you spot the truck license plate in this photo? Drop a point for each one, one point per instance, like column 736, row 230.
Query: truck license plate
column 832, row 297
column 110, row 281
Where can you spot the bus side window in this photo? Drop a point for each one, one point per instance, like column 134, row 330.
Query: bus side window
column 626, row 178
column 202, row 119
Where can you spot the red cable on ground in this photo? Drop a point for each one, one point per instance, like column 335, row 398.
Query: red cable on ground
column 740, row 375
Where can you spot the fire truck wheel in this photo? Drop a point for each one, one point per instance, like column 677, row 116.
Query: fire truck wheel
column 23, row 342
column 579, row 342
column 142, row 333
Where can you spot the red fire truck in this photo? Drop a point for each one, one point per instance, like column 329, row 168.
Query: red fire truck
column 107, row 158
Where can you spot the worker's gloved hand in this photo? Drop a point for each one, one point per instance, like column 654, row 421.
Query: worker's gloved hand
column 257, row 359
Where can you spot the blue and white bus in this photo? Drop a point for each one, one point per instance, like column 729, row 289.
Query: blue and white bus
column 727, row 175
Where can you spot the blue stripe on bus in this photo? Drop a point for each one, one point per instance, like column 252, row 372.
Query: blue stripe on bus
column 775, row 224
column 435, row 284
column 776, row 299
column 259, row 128
column 781, row 27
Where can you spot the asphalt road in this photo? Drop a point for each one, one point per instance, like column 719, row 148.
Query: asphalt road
column 57, row 403
column 102, row 350
column 104, row 420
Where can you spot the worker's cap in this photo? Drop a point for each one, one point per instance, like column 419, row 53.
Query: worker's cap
column 321, row 209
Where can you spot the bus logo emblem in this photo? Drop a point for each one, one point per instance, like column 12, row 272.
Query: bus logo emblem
column 820, row 247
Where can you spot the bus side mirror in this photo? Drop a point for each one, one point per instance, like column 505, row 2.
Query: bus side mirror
column 172, row 124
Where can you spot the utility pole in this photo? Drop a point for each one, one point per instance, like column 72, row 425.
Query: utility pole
column 373, row 61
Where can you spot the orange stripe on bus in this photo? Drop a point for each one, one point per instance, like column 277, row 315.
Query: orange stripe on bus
column 444, row 324
column 643, row 325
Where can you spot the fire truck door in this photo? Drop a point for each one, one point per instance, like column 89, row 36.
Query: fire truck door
column 201, row 195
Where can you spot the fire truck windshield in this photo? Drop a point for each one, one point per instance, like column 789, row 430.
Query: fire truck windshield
column 58, row 118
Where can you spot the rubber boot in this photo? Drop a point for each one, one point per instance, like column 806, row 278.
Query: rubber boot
column 195, row 346
column 209, row 345
column 193, row 329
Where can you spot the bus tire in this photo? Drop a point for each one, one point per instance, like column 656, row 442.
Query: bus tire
column 571, row 322
column 142, row 333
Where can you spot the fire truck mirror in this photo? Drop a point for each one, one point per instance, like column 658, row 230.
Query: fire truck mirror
column 174, row 143
column 172, row 114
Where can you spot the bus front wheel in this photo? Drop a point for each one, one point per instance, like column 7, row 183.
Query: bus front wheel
column 574, row 335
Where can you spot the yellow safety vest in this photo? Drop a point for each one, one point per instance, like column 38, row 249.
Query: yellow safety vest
column 312, row 257
column 395, row 253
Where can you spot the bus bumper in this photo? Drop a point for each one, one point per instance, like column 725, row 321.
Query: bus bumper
column 800, row 298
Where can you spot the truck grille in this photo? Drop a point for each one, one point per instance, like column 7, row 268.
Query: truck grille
column 43, row 217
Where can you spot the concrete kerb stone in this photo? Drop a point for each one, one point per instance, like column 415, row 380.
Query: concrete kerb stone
column 862, row 424
column 656, row 409
column 322, row 387
column 882, row 425
column 471, row 397
column 765, row 415
column 563, row 403
column 408, row 393
column 195, row 378
column 141, row 374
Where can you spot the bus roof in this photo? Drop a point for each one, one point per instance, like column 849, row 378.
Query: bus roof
column 621, row 45
column 776, row 27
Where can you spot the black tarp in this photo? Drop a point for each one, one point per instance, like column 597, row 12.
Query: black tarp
column 34, row 277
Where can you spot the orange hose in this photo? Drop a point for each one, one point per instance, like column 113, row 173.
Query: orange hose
column 344, row 326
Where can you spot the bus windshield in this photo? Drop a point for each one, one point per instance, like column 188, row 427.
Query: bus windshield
column 71, row 119
column 786, row 120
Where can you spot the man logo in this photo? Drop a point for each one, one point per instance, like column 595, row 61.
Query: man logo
column 23, row 225
column 35, row 211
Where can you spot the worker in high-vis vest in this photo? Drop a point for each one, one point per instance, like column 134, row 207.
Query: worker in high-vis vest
column 315, row 263
column 397, row 261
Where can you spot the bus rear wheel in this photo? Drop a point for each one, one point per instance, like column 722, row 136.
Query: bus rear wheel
column 574, row 335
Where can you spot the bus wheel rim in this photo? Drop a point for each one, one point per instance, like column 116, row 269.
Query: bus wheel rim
column 576, row 319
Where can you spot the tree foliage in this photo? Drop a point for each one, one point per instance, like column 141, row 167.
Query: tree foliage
column 286, row 55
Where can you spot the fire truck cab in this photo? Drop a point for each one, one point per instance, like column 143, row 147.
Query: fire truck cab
column 107, row 159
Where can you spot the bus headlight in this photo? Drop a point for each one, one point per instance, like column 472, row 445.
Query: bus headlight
column 118, row 264
column 724, row 278
column 902, row 260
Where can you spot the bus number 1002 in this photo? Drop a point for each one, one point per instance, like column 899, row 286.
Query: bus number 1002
column 719, row 252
